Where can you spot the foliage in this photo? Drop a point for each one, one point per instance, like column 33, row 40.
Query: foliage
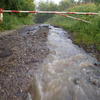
column 13, row 21
column 45, row 6
column 89, row 1
column 17, row 5
column 65, row 4
column 86, row 34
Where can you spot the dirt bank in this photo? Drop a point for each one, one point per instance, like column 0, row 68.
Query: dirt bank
column 21, row 51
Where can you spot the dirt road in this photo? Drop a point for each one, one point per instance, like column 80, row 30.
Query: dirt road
column 21, row 51
column 22, row 54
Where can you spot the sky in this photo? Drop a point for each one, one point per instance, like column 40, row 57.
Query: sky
column 56, row 1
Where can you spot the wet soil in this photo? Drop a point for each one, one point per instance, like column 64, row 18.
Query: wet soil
column 91, row 49
column 21, row 51
column 68, row 72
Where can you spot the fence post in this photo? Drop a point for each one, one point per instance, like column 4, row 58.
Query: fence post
column 1, row 15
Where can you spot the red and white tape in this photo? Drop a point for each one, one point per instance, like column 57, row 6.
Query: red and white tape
column 63, row 13
column 1, row 15
column 79, row 19
column 49, row 12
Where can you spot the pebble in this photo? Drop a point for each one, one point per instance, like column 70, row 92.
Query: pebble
column 29, row 97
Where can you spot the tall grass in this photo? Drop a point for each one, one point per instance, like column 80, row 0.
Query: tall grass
column 14, row 21
column 83, row 33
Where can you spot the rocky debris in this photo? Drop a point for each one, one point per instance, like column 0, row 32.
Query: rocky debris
column 76, row 81
column 21, row 55
column 21, row 52
column 29, row 97
column 5, row 52
column 97, row 64
column 92, row 75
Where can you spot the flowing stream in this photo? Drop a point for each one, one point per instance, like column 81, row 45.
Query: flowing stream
column 62, row 76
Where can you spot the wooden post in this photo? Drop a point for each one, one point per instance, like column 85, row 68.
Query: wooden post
column 1, row 15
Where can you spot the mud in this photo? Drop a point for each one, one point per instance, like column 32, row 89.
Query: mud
column 21, row 51
column 25, row 54
column 68, row 72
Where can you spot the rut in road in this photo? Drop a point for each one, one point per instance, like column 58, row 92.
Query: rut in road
column 41, row 62
column 67, row 72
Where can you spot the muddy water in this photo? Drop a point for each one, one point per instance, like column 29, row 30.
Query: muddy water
column 62, row 74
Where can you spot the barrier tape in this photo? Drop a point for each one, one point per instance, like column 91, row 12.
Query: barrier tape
column 53, row 12
column 75, row 18
column 1, row 15
column 48, row 12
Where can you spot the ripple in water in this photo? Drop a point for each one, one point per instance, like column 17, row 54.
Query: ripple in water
column 55, row 79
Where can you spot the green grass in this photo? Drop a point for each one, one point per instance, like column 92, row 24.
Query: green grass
column 14, row 21
column 83, row 33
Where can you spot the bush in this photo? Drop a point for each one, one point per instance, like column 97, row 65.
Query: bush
column 13, row 21
column 87, row 34
column 44, row 6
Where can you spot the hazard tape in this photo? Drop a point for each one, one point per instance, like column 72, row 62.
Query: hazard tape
column 15, row 11
column 53, row 12
column 75, row 18
column 1, row 15
column 1, row 10
column 48, row 12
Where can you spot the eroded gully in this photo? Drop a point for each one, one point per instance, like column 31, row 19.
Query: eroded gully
column 67, row 73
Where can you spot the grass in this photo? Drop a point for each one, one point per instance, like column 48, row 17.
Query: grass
column 83, row 33
column 14, row 21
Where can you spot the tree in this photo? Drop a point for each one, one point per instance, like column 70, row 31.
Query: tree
column 17, row 5
column 64, row 4
column 89, row 1
column 45, row 6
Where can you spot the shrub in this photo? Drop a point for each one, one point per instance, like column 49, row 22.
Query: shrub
column 87, row 34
